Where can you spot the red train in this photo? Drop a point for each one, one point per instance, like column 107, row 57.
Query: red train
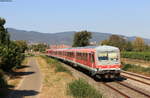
column 102, row 61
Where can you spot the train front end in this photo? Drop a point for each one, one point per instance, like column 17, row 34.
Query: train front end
column 108, row 61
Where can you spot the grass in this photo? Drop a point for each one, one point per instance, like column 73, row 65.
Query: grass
column 136, row 69
column 81, row 89
column 58, row 66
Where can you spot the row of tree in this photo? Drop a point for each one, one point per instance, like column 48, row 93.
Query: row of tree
column 83, row 39
column 136, row 45
column 40, row 47
column 11, row 52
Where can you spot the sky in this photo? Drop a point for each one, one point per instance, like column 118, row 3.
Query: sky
column 125, row 17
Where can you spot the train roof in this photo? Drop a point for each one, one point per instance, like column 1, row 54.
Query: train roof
column 98, row 48
column 107, row 48
column 93, row 47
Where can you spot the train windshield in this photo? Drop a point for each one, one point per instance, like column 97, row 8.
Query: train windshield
column 108, row 57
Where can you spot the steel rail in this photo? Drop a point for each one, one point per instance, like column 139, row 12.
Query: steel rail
column 130, row 73
column 136, row 80
column 132, row 88
column 118, row 91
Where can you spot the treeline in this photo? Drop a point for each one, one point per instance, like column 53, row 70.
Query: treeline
column 11, row 52
column 136, row 49
column 40, row 47
column 137, row 45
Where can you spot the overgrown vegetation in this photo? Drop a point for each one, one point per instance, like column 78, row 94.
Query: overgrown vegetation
column 136, row 69
column 136, row 55
column 55, row 63
column 81, row 89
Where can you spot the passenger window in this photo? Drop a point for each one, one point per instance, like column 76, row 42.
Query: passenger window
column 92, row 58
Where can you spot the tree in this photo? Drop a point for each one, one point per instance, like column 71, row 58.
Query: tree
column 115, row 40
column 104, row 42
column 41, row 47
column 4, row 35
column 147, row 47
column 128, row 46
column 11, row 53
column 82, row 39
column 139, row 44
column 12, row 56
column 22, row 44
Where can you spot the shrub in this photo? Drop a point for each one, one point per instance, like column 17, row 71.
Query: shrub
column 11, row 57
column 81, row 89
column 137, row 69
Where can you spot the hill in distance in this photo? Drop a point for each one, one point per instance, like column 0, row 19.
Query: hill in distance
column 57, row 38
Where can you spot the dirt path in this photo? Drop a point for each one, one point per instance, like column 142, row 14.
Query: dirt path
column 31, row 84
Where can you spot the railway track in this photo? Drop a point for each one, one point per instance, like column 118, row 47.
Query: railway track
column 117, row 90
column 135, row 89
column 131, row 87
column 136, row 75
column 122, row 93
column 133, row 74
column 136, row 80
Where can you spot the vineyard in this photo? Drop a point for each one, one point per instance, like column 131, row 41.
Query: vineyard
column 136, row 55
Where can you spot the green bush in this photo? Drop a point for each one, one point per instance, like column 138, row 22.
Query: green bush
column 136, row 55
column 11, row 56
column 136, row 69
column 81, row 89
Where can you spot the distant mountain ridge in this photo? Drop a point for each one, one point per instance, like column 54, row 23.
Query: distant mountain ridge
column 57, row 38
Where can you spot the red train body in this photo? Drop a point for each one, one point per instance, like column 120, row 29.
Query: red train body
column 98, row 60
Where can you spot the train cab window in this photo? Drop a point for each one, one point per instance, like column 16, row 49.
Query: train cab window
column 108, row 57
column 103, row 56
column 111, row 56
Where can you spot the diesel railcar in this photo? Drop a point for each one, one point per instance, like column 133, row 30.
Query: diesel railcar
column 102, row 61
